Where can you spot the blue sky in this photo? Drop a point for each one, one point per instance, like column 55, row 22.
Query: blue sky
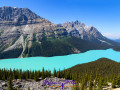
column 102, row 14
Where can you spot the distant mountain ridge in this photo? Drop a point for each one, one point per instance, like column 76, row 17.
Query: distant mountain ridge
column 117, row 40
column 80, row 30
column 23, row 34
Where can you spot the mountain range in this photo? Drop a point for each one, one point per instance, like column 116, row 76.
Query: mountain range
column 25, row 34
column 117, row 40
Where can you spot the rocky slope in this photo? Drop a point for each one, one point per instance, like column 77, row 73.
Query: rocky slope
column 30, row 84
column 80, row 30
column 40, row 85
column 19, row 26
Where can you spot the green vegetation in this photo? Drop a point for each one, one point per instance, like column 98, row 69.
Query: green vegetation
column 15, row 53
column 35, row 50
column 48, row 47
column 89, row 75
column 10, row 86
column 60, row 46
column 116, row 48
column 104, row 66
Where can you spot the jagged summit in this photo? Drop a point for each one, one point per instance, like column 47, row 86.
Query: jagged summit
column 80, row 30
column 77, row 22
column 18, row 16
column 11, row 13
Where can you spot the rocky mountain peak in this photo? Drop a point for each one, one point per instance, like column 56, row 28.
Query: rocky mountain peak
column 74, row 23
column 11, row 13
column 17, row 16
column 79, row 29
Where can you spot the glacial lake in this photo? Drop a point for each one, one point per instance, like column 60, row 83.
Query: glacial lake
column 49, row 63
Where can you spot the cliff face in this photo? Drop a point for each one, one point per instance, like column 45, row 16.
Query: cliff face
column 17, row 16
column 19, row 25
column 80, row 30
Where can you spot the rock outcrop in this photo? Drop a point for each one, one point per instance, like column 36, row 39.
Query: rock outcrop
column 22, row 22
column 80, row 30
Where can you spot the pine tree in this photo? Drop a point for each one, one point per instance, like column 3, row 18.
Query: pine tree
column 3, row 77
column 58, row 74
column 82, row 84
column 76, row 87
column 90, row 85
column 95, row 82
column 67, row 74
column 35, row 77
column 54, row 73
column 43, row 73
column 27, row 74
column 10, row 86
column 13, row 74
column 114, row 82
column 99, row 84
column 28, row 88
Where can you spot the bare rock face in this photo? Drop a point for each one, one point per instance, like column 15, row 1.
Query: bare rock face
column 17, row 16
column 79, row 29
column 18, row 22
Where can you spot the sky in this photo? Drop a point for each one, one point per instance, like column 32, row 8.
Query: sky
column 102, row 14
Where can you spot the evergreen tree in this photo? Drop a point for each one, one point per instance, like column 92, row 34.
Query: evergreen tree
column 43, row 73
column 13, row 74
column 59, row 74
column 10, row 86
column 82, row 85
column 54, row 73
column 118, row 80
column 77, row 87
column 28, row 88
column 90, row 85
column 35, row 77
column 95, row 82
column 114, row 82
column 99, row 84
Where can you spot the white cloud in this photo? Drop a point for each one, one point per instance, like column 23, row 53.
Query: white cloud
column 112, row 35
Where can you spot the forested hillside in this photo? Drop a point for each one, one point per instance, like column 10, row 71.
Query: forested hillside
column 103, row 66
column 55, row 47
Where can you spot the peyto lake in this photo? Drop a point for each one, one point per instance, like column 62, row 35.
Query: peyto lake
column 49, row 63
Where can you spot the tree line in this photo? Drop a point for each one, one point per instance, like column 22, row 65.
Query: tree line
column 86, row 80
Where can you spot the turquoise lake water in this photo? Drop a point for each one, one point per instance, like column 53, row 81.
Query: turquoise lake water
column 49, row 63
